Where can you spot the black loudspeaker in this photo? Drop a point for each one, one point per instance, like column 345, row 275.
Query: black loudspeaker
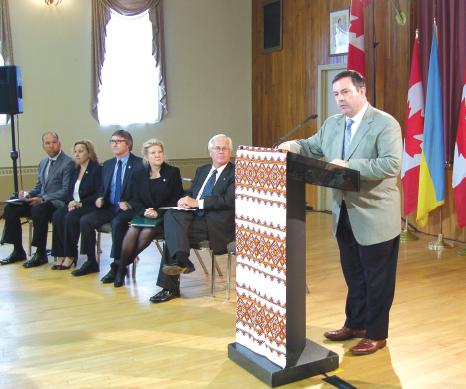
column 11, row 90
column 272, row 25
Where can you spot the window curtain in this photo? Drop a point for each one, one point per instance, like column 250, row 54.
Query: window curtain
column 6, row 45
column 450, row 17
column 100, row 18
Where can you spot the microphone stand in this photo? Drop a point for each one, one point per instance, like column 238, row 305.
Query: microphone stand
column 293, row 130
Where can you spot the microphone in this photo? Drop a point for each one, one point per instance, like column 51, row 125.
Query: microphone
column 294, row 129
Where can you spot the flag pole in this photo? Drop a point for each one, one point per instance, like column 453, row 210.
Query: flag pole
column 438, row 244
column 406, row 235
column 374, row 46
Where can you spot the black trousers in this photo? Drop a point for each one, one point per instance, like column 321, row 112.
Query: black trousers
column 89, row 222
column 370, row 274
column 183, row 230
column 40, row 214
column 66, row 230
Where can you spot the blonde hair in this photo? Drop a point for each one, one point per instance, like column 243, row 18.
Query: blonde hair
column 147, row 145
column 90, row 149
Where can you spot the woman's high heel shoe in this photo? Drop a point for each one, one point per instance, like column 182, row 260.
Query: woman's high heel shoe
column 57, row 266
column 120, row 276
column 73, row 263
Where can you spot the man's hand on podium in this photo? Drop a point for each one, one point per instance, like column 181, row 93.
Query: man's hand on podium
column 339, row 162
column 286, row 146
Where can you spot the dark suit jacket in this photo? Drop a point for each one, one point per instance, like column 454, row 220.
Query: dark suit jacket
column 91, row 183
column 134, row 164
column 219, row 207
column 168, row 197
column 55, row 187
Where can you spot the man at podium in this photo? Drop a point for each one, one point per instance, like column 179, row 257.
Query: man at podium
column 366, row 223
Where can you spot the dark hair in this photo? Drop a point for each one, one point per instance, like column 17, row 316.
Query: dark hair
column 126, row 136
column 356, row 77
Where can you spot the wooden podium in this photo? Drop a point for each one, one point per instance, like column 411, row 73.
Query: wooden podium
column 271, row 263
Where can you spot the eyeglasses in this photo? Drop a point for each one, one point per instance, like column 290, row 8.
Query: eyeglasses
column 116, row 141
column 218, row 149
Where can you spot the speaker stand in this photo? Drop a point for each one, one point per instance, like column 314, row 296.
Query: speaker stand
column 14, row 157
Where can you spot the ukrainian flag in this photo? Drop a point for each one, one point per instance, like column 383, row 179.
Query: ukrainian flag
column 432, row 170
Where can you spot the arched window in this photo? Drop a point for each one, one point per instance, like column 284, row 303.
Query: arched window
column 128, row 65
column 129, row 90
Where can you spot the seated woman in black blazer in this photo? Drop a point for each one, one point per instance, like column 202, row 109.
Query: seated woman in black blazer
column 159, row 185
column 84, row 186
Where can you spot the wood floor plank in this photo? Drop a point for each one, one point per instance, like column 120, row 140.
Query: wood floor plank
column 61, row 331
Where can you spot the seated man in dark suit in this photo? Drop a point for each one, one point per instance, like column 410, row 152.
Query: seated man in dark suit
column 48, row 194
column 113, row 201
column 213, row 193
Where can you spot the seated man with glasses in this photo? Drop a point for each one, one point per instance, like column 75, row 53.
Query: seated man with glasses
column 113, row 202
column 209, row 215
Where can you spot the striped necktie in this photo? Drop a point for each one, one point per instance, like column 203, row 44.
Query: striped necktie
column 347, row 139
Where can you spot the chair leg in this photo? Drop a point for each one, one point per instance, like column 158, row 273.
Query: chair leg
column 219, row 271
column 227, row 290
column 98, row 248
column 30, row 237
column 159, row 247
column 212, row 281
column 136, row 260
column 201, row 261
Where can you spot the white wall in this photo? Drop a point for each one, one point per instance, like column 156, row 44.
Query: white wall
column 208, row 58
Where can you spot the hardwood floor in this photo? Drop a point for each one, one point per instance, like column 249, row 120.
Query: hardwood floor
column 58, row 331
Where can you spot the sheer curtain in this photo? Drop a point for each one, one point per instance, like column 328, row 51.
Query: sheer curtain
column 100, row 17
column 6, row 46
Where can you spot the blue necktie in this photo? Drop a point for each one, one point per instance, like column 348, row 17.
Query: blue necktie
column 117, row 194
column 347, row 139
column 207, row 191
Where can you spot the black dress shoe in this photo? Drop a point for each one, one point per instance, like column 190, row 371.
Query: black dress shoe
column 15, row 256
column 36, row 260
column 110, row 276
column 164, row 295
column 87, row 267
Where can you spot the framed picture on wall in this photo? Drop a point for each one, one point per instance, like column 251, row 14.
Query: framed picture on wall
column 339, row 31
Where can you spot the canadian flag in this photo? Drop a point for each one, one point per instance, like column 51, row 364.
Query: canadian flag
column 413, row 135
column 356, row 52
column 459, row 162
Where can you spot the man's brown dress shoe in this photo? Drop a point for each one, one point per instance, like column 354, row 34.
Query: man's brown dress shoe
column 368, row 346
column 344, row 333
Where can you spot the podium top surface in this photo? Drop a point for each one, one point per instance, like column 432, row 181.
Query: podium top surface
column 318, row 172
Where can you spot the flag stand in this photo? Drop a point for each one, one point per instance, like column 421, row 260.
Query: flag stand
column 461, row 251
column 439, row 244
column 406, row 235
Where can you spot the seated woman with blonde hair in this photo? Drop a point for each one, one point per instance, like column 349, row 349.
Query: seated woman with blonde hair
column 83, row 191
column 159, row 185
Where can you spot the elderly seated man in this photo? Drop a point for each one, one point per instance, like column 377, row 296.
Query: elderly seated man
column 209, row 216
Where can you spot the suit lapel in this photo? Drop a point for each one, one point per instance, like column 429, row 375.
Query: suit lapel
column 362, row 130
column 128, row 171
column 339, row 135
column 202, row 177
column 108, row 178
column 222, row 179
